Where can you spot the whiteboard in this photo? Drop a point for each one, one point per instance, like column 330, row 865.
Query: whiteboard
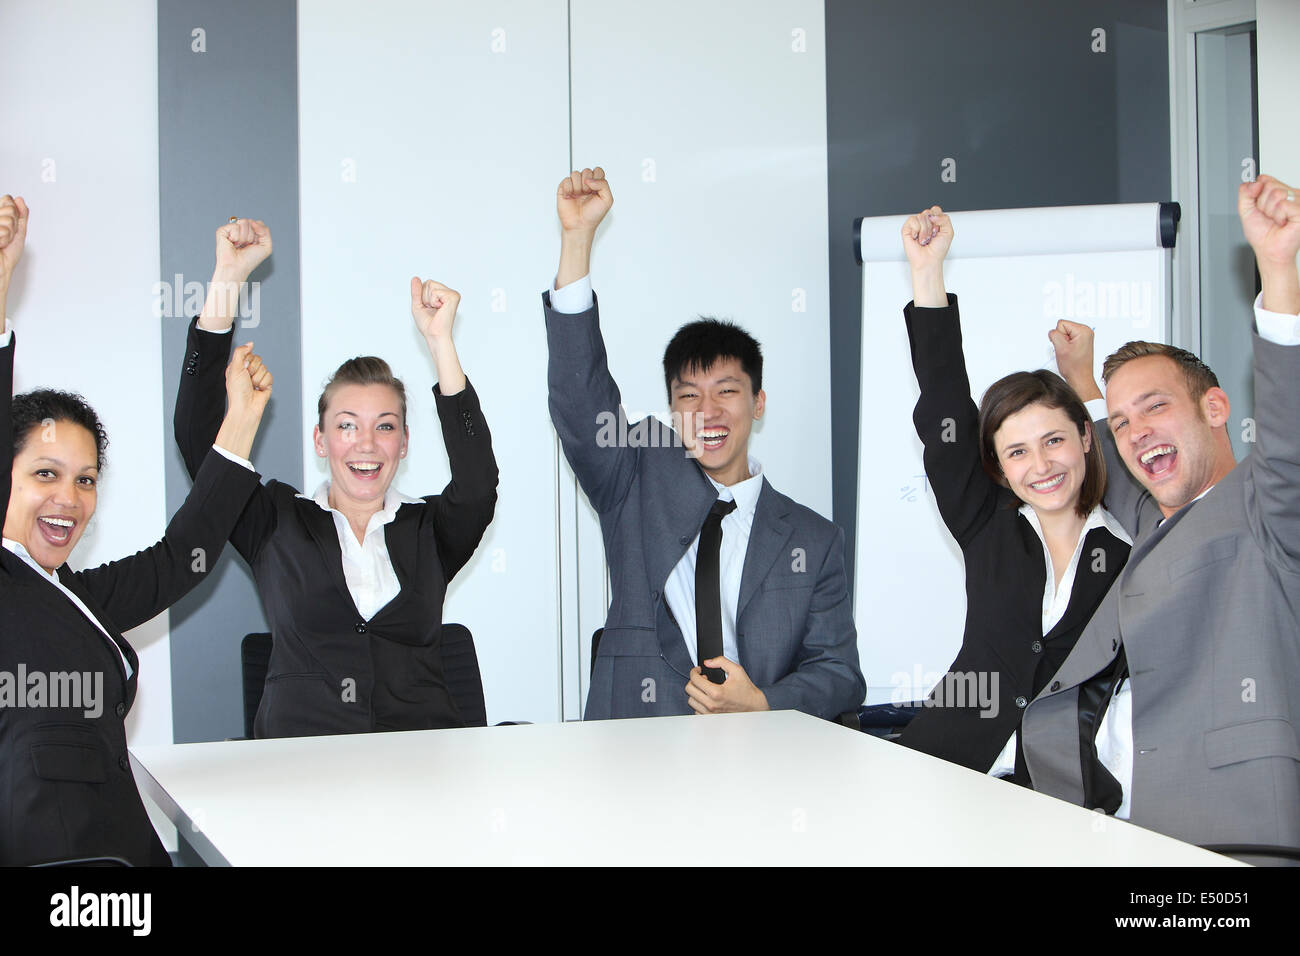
column 1015, row 273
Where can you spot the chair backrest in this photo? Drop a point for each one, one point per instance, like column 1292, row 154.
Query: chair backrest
column 595, row 643
column 255, row 658
column 459, row 668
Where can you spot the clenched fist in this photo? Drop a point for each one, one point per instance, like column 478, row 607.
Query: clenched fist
column 582, row 200
column 1073, row 344
column 13, row 237
column 433, row 306
column 926, row 238
column 242, row 246
column 248, row 383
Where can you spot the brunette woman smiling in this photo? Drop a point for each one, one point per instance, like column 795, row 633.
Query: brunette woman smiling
column 352, row 577
column 67, row 676
column 1019, row 484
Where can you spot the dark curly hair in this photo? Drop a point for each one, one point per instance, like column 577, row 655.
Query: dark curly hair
column 37, row 408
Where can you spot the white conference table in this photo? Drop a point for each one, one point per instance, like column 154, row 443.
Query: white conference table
column 770, row 788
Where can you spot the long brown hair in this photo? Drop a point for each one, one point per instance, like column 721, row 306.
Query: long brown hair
column 1018, row 391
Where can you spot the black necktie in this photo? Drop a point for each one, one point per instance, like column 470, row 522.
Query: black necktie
column 708, row 596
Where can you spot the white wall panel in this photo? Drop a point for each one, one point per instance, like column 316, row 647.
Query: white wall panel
column 710, row 122
column 80, row 115
column 431, row 136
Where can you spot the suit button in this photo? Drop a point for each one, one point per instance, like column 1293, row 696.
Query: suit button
column 654, row 595
column 122, row 762
column 360, row 627
column 683, row 540
column 1021, row 703
column 194, row 357
column 1056, row 685
column 1036, row 647
column 120, row 710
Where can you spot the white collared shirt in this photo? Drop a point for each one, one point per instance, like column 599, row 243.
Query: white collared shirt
column 679, row 590
column 367, row 567
column 17, row 548
column 1057, row 599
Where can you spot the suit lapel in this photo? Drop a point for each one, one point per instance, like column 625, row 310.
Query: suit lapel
column 320, row 525
column 1144, row 546
column 72, row 615
column 768, row 536
column 1091, row 585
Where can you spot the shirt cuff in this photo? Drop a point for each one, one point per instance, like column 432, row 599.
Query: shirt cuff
column 1276, row 327
column 213, row 331
column 573, row 298
column 233, row 457
column 1096, row 409
column 7, row 337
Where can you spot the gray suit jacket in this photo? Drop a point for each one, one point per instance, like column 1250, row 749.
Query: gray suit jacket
column 1208, row 613
column 794, row 622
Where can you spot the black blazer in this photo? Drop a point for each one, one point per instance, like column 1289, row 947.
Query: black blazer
column 331, row 672
column 1005, row 570
column 66, row 789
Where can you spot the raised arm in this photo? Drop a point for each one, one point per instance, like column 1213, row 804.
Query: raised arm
column 946, row 419
column 134, row 589
column 13, row 238
column 1125, row 498
column 241, row 246
column 464, row 509
column 1270, row 219
column 585, row 404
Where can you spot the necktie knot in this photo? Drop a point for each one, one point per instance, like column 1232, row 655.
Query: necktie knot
column 722, row 508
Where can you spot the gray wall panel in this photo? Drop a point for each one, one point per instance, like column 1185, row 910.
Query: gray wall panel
column 228, row 146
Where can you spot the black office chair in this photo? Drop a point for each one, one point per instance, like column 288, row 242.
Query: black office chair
column 886, row 721
column 595, row 643
column 255, row 658
column 459, row 667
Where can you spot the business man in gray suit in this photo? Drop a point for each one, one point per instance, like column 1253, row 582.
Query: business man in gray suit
column 1179, row 706
column 686, row 513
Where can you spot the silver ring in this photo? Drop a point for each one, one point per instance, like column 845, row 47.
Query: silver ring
column 1290, row 195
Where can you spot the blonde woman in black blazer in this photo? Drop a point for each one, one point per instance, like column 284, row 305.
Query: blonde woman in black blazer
column 356, row 647
column 1019, row 483
column 67, row 676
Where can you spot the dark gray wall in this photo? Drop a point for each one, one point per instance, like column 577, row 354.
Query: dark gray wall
column 1013, row 92
column 228, row 146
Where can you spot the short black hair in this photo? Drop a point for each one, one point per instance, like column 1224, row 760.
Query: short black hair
column 35, row 409
column 699, row 344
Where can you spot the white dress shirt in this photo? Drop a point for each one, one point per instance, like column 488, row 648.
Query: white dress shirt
column 1057, row 599
column 679, row 591
column 1115, row 736
column 367, row 568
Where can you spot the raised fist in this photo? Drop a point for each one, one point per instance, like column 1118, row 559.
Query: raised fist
column 582, row 200
column 1073, row 344
column 13, row 237
column 433, row 306
column 1270, row 221
column 926, row 238
column 242, row 246
column 248, row 382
